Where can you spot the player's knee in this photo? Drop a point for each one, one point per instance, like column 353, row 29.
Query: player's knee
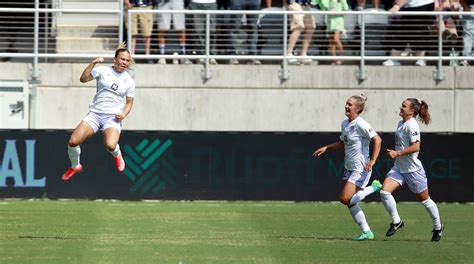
column 73, row 142
column 344, row 200
column 110, row 147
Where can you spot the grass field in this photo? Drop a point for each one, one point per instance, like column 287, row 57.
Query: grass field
column 44, row 231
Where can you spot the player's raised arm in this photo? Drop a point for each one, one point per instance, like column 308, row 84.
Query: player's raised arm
column 86, row 75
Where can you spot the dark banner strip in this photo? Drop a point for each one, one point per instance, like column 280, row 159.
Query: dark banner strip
column 215, row 165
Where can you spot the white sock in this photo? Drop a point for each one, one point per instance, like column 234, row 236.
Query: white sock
column 360, row 195
column 116, row 151
column 390, row 205
column 359, row 217
column 74, row 154
column 432, row 209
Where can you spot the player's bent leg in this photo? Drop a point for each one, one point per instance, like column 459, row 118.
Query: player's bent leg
column 82, row 132
column 79, row 135
column 111, row 137
column 348, row 191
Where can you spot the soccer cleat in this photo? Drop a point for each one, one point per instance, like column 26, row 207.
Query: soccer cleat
column 376, row 185
column 71, row 172
column 366, row 235
column 437, row 234
column 119, row 162
column 394, row 227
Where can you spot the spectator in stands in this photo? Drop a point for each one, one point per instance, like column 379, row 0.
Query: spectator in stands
column 335, row 26
column 199, row 24
column 468, row 30
column 106, row 111
column 300, row 23
column 413, row 30
column 408, row 168
column 361, row 4
column 251, row 21
column 141, row 22
column 164, row 24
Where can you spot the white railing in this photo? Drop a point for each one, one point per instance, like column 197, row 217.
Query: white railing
column 40, row 39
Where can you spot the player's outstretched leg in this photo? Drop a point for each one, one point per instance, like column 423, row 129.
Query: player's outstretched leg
column 76, row 167
column 391, row 206
column 432, row 210
column 359, row 217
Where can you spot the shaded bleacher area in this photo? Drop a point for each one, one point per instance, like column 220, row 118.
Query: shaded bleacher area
column 95, row 33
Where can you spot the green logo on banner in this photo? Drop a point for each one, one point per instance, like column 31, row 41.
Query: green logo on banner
column 149, row 167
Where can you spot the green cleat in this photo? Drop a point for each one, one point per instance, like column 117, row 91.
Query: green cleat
column 376, row 185
column 366, row 235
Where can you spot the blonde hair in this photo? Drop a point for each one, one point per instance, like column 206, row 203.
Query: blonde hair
column 360, row 101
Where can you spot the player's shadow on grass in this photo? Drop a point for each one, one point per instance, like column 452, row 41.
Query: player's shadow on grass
column 351, row 239
column 376, row 239
column 313, row 238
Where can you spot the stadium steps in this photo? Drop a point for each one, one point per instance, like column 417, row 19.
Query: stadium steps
column 87, row 33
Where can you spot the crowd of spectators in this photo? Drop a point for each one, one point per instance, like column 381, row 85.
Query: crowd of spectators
column 239, row 34
column 308, row 35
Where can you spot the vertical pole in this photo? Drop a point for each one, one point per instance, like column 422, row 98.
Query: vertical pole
column 36, row 40
column 34, row 80
column 439, row 72
column 121, row 14
column 206, row 73
column 129, row 29
column 285, row 72
column 362, row 73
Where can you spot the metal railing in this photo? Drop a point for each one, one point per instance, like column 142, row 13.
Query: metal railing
column 361, row 49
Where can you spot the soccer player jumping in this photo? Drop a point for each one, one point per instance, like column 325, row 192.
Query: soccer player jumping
column 107, row 109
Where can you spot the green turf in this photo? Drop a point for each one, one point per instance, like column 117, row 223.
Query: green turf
column 44, row 231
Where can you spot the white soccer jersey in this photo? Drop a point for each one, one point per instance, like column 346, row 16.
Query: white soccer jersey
column 407, row 132
column 112, row 87
column 356, row 136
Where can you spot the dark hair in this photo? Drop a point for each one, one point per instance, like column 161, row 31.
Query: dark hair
column 360, row 101
column 420, row 110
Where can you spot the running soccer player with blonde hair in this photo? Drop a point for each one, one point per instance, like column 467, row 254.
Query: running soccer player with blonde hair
column 356, row 136
column 107, row 109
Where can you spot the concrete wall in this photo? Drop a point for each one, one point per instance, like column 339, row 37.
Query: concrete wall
column 253, row 98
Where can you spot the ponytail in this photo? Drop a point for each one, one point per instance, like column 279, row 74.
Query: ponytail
column 424, row 115
column 420, row 110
